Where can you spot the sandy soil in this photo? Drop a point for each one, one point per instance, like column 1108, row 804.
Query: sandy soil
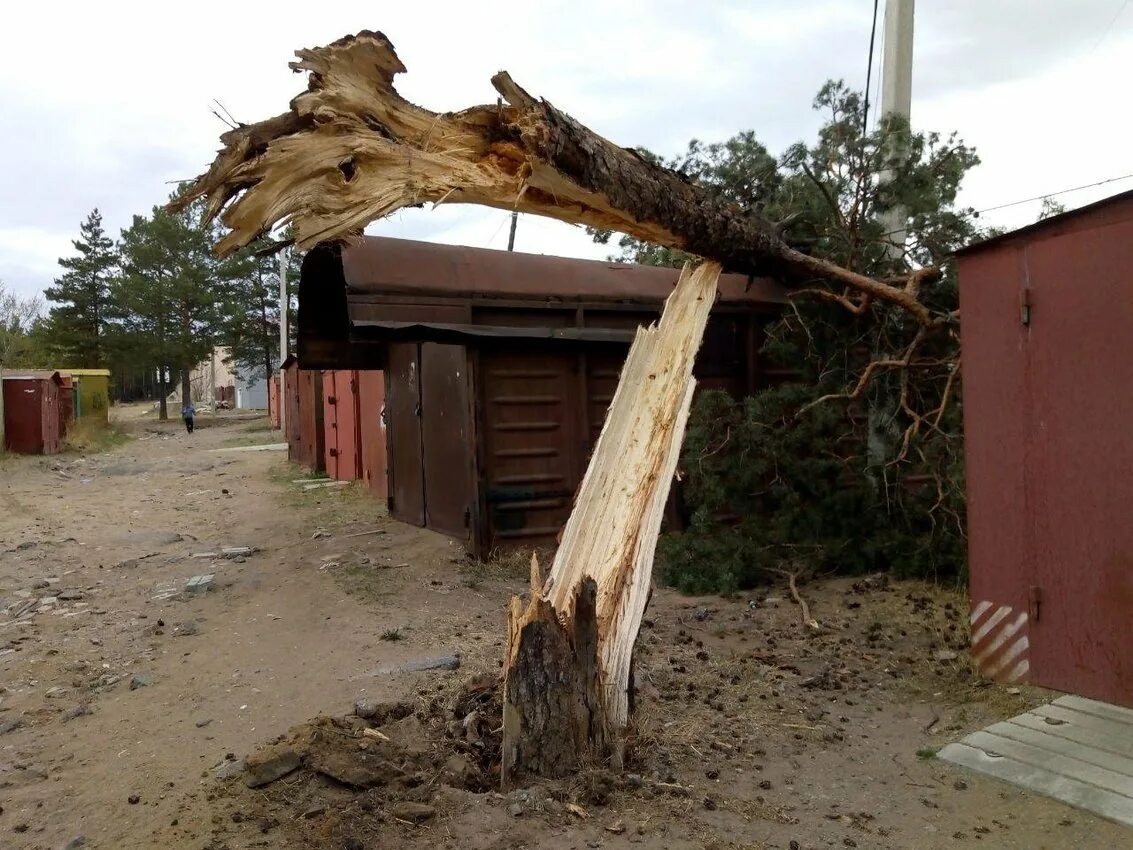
column 122, row 697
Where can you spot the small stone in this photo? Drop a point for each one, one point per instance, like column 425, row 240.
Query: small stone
column 709, row 804
column 75, row 843
column 794, row 845
column 849, row 842
column 633, row 780
column 186, row 629
column 945, row 655
column 1014, row 691
column 268, row 765
column 40, row 584
column 140, row 680
column 70, row 595
column 57, row 691
column 10, row 725
column 201, row 724
column 133, row 799
column 960, row 785
column 515, row 810
column 765, row 784
column 413, row 812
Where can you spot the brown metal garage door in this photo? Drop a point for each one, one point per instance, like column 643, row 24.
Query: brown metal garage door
column 534, row 445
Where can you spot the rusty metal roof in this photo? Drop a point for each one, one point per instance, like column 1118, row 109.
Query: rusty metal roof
column 379, row 264
column 31, row 375
column 1055, row 222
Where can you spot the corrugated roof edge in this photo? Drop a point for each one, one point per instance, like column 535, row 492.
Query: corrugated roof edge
column 1045, row 223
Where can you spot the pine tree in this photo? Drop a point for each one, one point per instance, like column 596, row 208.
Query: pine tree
column 777, row 481
column 78, row 321
column 171, row 293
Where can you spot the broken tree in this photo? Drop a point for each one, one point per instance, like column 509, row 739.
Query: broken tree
column 350, row 150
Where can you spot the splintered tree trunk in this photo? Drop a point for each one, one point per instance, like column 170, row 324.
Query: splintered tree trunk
column 567, row 676
column 351, row 150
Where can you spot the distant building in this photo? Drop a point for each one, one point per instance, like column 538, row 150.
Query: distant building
column 217, row 381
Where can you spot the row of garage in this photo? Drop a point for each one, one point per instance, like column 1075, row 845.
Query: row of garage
column 39, row 406
column 468, row 386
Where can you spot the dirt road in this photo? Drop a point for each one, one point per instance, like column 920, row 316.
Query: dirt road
column 121, row 693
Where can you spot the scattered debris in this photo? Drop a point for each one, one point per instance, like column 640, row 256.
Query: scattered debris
column 186, row 629
column 80, row 710
column 444, row 662
column 382, row 711
column 412, row 812
column 322, row 485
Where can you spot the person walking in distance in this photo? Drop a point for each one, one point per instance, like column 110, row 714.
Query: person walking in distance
column 187, row 413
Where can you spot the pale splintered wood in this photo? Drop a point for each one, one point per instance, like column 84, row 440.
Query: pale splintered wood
column 612, row 532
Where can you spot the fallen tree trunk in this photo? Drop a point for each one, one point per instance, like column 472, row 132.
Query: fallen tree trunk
column 351, row 150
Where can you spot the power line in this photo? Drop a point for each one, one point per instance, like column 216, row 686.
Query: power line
column 1109, row 26
column 1054, row 194
column 869, row 69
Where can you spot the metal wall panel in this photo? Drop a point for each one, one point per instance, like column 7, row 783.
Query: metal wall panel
column 340, row 424
column 1049, row 453
column 446, row 438
column 403, row 409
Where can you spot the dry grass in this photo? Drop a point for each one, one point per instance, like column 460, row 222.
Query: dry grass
column 93, row 435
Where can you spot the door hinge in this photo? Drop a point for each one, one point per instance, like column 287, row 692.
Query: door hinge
column 1036, row 599
column 1025, row 306
column 334, row 452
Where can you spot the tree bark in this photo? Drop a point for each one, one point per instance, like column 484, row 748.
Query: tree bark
column 163, row 394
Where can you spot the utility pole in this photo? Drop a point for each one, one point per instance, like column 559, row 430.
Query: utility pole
column 511, row 236
column 284, row 256
column 897, row 99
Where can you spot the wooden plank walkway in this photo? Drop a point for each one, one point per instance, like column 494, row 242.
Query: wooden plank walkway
column 1076, row 750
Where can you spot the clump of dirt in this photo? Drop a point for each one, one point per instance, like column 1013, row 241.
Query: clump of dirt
column 393, row 765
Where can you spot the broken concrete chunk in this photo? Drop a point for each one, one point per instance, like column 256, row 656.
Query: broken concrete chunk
column 140, row 680
column 199, row 584
column 268, row 765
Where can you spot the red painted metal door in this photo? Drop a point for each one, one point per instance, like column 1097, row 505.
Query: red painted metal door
column 340, row 423
column 446, row 443
column 403, row 412
column 372, row 430
column 1079, row 463
column 330, row 422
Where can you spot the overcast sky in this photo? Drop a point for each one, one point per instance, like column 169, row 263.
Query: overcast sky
column 105, row 103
